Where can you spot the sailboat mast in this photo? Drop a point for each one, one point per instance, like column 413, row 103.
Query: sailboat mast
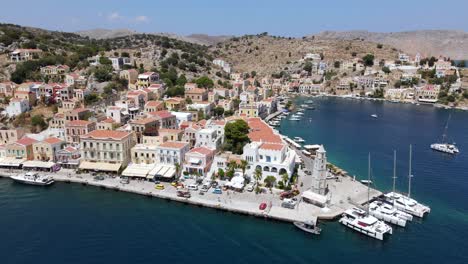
column 394, row 170
column 368, row 184
column 444, row 136
column 409, row 171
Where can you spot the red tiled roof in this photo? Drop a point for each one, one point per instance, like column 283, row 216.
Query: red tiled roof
column 202, row 150
column 25, row 141
column 154, row 103
column 78, row 123
column 173, row 144
column 144, row 121
column 261, row 132
column 161, row 114
column 272, row 146
column 52, row 140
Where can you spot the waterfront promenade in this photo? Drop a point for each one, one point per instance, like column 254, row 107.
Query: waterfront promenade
column 345, row 193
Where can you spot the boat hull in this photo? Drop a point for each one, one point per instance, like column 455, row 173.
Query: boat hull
column 47, row 183
column 376, row 235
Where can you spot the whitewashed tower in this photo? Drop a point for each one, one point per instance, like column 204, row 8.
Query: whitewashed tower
column 319, row 172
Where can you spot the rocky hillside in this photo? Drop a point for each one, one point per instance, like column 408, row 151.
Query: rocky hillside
column 449, row 43
column 101, row 33
column 268, row 54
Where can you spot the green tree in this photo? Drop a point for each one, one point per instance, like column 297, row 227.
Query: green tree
column 243, row 166
column 368, row 60
column 236, row 134
column 386, row 70
column 336, row 64
column 105, row 61
column 221, row 173
column 308, row 67
column 218, row 111
column 270, row 181
column 38, row 121
column 204, row 82
column 103, row 73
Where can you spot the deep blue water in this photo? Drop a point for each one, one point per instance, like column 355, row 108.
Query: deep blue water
column 76, row 224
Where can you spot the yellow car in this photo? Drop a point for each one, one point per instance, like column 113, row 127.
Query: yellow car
column 174, row 183
column 159, row 187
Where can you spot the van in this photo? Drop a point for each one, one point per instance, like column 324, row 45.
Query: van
column 192, row 187
column 205, row 187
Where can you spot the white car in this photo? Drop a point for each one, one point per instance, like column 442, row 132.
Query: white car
column 192, row 187
column 250, row 188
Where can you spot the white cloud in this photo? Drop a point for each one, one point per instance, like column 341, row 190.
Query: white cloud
column 140, row 19
column 114, row 16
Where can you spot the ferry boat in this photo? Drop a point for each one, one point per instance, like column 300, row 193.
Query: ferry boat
column 405, row 203
column 445, row 146
column 298, row 139
column 388, row 213
column 360, row 221
column 33, row 178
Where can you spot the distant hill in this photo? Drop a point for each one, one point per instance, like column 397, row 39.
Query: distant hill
column 201, row 39
column 449, row 43
column 101, row 33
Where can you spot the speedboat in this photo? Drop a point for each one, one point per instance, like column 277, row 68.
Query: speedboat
column 33, row 178
column 445, row 147
column 374, row 116
column 367, row 182
column 388, row 213
column 407, row 205
column 294, row 119
column 298, row 139
column 309, row 102
column 300, row 113
column 309, row 227
column 360, row 221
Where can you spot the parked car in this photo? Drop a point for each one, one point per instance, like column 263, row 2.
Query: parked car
column 185, row 194
column 217, row 191
column 174, row 183
column 250, row 188
column 125, row 181
column 159, row 187
column 205, row 187
column 192, row 187
column 214, row 184
column 289, row 203
column 262, row 206
column 98, row 178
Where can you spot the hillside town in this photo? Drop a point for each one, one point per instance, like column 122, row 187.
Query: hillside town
column 111, row 118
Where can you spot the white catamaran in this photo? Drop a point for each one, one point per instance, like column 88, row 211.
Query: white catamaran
column 445, row 147
column 363, row 222
column 386, row 211
column 405, row 203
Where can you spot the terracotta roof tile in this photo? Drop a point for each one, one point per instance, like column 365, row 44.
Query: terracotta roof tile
column 107, row 134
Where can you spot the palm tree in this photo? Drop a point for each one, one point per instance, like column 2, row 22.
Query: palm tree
column 177, row 169
column 258, row 178
column 285, row 178
column 243, row 166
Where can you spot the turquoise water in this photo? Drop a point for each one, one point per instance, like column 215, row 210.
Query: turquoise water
column 80, row 224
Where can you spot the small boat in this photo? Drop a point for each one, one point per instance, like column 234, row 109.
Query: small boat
column 374, row 116
column 294, row 119
column 310, row 107
column 300, row 113
column 298, row 139
column 309, row 227
column 309, row 102
column 33, row 178
column 445, row 147
column 366, row 181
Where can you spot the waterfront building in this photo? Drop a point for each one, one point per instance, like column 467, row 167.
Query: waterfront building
column 198, row 161
column 144, row 154
column 47, row 149
column 21, row 149
column 172, row 152
column 76, row 128
column 68, row 157
column 106, row 150
column 428, row 93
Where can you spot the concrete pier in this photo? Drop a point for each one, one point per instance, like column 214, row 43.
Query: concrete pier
column 346, row 193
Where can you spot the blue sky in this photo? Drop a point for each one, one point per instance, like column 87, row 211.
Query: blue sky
column 238, row 17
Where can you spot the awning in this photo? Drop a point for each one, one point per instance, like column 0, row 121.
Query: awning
column 314, row 197
column 11, row 162
column 100, row 166
column 137, row 170
column 195, row 161
column 38, row 164
column 161, row 170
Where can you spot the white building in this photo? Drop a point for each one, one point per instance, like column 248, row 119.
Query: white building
column 208, row 138
column 182, row 116
column 17, row 106
column 273, row 159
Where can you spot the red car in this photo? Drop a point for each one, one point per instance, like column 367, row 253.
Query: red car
column 262, row 206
